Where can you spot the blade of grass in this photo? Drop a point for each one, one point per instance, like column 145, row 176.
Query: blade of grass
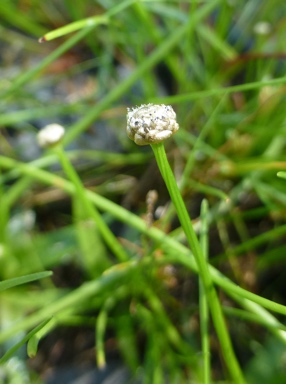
column 101, row 323
column 28, row 76
column 6, row 284
column 90, row 209
column 217, row 91
column 84, row 23
column 158, row 54
column 107, row 282
column 203, row 303
column 181, row 253
column 11, row 14
column 33, row 342
column 12, row 350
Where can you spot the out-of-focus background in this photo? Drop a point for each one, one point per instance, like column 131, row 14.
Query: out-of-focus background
column 221, row 65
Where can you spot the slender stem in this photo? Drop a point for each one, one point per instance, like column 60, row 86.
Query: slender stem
column 90, row 208
column 100, row 329
column 187, row 97
column 175, row 253
column 178, row 253
column 15, row 347
column 87, row 22
column 204, row 312
column 156, row 56
column 214, row 304
column 26, row 76
column 10, row 283
column 110, row 280
column 4, row 215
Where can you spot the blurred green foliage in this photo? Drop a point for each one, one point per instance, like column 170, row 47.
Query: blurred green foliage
column 221, row 64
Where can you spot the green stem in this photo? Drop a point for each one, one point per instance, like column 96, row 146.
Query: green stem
column 14, row 282
column 214, row 304
column 87, row 22
column 178, row 253
column 110, row 280
column 90, row 208
column 156, row 56
column 26, row 76
column 204, row 312
column 4, row 215
column 13, row 350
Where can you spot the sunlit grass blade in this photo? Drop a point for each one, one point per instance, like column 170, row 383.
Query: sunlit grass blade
column 10, row 283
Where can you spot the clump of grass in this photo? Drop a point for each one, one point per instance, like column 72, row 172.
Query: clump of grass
column 135, row 282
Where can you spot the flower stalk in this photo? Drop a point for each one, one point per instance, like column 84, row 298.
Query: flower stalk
column 145, row 125
column 51, row 137
column 213, row 301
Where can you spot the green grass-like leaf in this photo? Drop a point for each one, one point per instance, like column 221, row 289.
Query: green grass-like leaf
column 124, row 267
column 10, row 283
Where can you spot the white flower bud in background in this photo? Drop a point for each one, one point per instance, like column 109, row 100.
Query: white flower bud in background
column 151, row 124
column 50, row 135
column 262, row 28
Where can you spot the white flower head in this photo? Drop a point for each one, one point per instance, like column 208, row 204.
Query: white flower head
column 50, row 135
column 151, row 123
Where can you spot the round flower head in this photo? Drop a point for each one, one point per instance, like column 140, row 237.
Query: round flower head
column 50, row 135
column 151, row 123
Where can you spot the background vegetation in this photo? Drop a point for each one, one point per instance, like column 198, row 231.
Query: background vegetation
column 124, row 284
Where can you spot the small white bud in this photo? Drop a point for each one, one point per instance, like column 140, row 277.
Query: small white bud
column 262, row 28
column 151, row 123
column 50, row 135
